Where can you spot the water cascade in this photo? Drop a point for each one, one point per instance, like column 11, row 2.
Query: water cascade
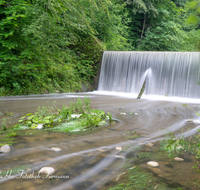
column 169, row 73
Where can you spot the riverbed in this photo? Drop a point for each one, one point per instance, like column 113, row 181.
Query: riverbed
column 92, row 159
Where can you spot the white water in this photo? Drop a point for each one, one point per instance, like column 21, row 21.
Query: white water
column 171, row 73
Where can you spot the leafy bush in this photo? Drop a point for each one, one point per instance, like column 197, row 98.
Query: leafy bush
column 50, row 116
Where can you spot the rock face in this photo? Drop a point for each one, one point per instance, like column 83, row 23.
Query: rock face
column 178, row 159
column 5, row 149
column 152, row 163
column 47, row 170
column 56, row 149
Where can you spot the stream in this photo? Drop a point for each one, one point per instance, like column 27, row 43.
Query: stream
column 90, row 160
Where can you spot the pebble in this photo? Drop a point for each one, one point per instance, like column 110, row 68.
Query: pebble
column 178, row 159
column 119, row 148
column 47, row 170
column 56, row 149
column 40, row 126
column 136, row 114
column 150, row 144
column 152, row 163
column 122, row 113
column 75, row 115
column 5, row 148
column 101, row 150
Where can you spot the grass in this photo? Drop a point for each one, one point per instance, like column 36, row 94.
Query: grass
column 138, row 179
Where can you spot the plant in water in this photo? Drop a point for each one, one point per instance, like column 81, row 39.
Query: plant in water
column 173, row 145
column 4, row 124
column 79, row 112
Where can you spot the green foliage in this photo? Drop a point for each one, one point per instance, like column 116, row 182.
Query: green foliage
column 109, row 116
column 194, row 16
column 144, row 155
column 50, row 46
column 138, row 178
column 15, row 170
column 93, row 119
column 45, row 115
column 4, row 124
column 50, row 117
column 55, row 45
column 173, row 146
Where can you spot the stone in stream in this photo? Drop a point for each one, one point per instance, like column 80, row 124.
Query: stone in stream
column 178, row 159
column 152, row 163
column 56, row 149
column 122, row 113
column 101, row 150
column 193, row 121
column 75, row 115
column 119, row 148
column 40, row 126
column 47, row 170
column 5, row 149
column 150, row 144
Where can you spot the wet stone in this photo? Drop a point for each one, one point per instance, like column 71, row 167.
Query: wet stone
column 56, row 149
column 152, row 163
column 150, row 144
column 178, row 159
column 5, row 149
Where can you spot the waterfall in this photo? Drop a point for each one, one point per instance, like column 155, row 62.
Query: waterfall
column 169, row 73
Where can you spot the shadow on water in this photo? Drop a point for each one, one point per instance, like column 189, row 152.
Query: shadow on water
column 90, row 160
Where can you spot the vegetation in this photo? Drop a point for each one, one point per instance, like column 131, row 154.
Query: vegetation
column 51, row 46
column 137, row 178
column 79, row 116
column 79, row 113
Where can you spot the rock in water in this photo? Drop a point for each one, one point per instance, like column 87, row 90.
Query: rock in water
column 119, row 148
column 47, row 170
column 5, row 148
column 75, row 115
column 40, row 126
column 150, row 144
column 178, row 159
column 56, row 149
column 122, row 113
column 152, row 163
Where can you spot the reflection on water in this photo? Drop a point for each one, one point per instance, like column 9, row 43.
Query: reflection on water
column 90, row 159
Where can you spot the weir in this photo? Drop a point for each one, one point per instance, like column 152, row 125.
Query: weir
column 169, row 73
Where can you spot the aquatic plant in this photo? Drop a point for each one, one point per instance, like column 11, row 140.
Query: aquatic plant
column 173, row 145
column 4, row 123
column 79, row 111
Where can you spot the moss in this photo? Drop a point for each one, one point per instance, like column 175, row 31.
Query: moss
column 10, row 114
column 15, row 170
column 137, row 179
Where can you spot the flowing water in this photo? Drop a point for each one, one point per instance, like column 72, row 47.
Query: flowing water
column 170, row 73
column 90, row 160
